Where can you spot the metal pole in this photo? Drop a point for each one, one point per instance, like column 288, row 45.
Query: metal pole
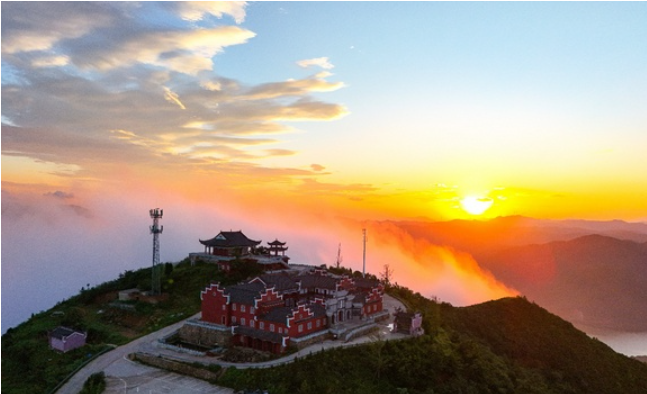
column 364, row 254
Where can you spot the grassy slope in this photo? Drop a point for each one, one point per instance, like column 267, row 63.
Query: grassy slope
column 509, row 345
column 25, row 350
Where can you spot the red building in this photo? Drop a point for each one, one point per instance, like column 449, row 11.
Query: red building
column 229, row 243
column 228, row 246
column 272, row 309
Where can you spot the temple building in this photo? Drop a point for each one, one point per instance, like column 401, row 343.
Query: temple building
column 228, row 246
column 289, row 308
column 276, row 247
column 229, row 243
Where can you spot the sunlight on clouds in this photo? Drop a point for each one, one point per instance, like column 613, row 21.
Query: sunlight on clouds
column 293, row 87
column 198, row 125
column 186, row 52
column 50, row 61
column 172, row 97
column 24, row 169
column 322, row 62
column 211, row 85
column 196, row 10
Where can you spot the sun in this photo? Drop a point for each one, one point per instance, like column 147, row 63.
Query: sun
column 476, row 205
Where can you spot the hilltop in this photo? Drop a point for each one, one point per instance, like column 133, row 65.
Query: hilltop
column 509, row 345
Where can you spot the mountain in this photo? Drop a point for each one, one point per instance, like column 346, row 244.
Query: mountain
column 592, row 273
column 593, row 280
column 509, row 345
column 480, row 237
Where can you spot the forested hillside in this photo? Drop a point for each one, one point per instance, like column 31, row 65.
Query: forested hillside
column 504, row 346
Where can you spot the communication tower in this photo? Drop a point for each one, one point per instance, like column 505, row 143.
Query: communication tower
column 156, row 230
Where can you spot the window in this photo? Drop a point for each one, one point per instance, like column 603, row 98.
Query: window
column 300, row 327
column 251, row 309
column 233, row 320
column 272, row 327
column 309, row 325
column 224, row 307
column 251, row 323
column 242, row 321
column 233, row 306
column 280, row 330
column 242, row 308
column 318, row 323
column 261, row 325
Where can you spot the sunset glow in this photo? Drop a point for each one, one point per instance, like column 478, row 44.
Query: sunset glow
column 476, row 205
column 307, row 121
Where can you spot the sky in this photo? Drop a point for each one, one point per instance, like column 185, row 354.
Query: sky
column 304, row 121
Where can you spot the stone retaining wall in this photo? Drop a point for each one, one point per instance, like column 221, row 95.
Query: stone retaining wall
column 175, row 366
column 204, row 335
column 300, row 343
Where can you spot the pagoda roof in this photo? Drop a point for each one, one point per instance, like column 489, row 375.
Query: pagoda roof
column 276, row 242
column 230, row 239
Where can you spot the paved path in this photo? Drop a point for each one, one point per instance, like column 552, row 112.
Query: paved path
column 125, row 376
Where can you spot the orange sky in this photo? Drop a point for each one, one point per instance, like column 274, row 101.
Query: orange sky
column 267, row 116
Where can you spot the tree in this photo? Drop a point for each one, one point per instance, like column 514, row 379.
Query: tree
column 386, row 275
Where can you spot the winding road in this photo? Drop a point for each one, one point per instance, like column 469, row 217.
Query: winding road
column 126, row 376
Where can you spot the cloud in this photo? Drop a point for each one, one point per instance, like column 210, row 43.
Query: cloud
column 89, row 99
column 39, row 26
column 322, row 62
column 172, row 97
column 60, row 194
column 184, row 51
column 300, row 87
column 50, row 61
column 317, row 167
column 197, row 10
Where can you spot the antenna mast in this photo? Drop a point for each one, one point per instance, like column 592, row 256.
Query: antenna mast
column 339, row 258
column 156, row 230
column 364, row 254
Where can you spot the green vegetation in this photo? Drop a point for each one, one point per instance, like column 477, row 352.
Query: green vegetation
column 25, row 349
column 504, row 346
column 95, row 384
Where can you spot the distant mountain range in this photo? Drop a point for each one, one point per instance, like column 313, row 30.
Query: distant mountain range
column 591, row 273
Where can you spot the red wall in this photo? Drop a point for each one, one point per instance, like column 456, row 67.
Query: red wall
column 213, row 300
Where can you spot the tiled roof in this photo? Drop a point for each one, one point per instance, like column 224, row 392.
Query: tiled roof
column 278, row 315
column 230, row 239
column 245, row 293
column 366, row 283
column 259, row 334
column 280, row 281
column 318, row 310
column 317, row 281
